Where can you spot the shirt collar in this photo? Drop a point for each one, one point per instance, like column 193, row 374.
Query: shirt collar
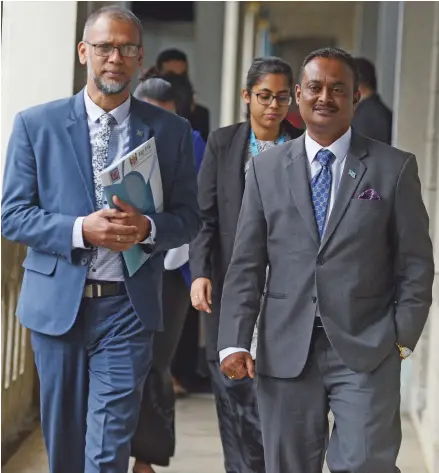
column 339, row 148
column 94, row 112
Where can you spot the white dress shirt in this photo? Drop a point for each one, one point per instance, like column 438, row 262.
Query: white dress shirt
column 340, row 150
column 108, row 265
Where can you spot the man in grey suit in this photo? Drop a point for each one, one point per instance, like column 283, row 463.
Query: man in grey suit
column 339, row 220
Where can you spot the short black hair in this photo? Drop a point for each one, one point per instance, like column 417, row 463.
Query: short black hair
column 366, row 73
column 332, row 53
column 114, row 12
column 170, row 55
column 263, row 66
column 183, row 92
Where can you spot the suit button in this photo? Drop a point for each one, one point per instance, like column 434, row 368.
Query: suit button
column 84, row 261
column 320, row 261
column 314, row 300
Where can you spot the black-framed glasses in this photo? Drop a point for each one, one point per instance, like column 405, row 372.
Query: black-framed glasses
column 106, row 50
column 264, row 98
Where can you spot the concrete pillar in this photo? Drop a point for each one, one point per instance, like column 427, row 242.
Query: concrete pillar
column 416, row 127
column 207, row 67
column 430, row 427
column 38, row 56
column 367, row 30
column 248, row 45
column 388, row 13
column 229, row 70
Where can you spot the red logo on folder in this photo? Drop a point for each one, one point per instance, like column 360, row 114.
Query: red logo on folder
column 114, row 174
column 133, row 160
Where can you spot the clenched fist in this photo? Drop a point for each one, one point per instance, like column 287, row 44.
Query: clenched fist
column 238, row 365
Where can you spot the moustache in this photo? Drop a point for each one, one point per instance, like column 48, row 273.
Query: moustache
column 330, row 108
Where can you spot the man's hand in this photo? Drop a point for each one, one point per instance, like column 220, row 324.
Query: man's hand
column 132, row 218
column 201, row 295
column 98, row 230
column 238, row 365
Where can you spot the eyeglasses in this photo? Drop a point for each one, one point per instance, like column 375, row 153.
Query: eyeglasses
column 106, row 50
column 266, row 99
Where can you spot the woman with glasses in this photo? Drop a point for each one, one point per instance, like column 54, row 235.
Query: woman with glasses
column 154, row 440
column 267, row 95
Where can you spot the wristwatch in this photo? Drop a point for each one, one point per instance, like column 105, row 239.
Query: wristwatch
column 404, row 352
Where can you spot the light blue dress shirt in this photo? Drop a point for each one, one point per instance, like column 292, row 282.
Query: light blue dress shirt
column 108, row 265
column 340, row 150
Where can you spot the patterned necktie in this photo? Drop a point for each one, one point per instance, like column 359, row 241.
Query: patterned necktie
column 100, row 155
column 99, row 162
column 321, row 188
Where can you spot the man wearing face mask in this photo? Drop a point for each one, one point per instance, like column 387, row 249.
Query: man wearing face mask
column 175, row 61
column 91, row 324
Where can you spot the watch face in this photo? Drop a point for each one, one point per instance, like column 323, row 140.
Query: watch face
column 405, row 352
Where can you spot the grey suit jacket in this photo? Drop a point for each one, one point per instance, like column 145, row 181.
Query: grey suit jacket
column 371, row 275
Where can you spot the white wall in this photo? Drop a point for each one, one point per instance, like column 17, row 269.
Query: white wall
column 305, row 19
column 37, row 57
column 417, row 125
column 202, row 42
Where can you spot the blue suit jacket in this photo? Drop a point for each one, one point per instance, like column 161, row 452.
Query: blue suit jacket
column 48, row 182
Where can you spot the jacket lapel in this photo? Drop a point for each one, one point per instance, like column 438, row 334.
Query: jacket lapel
column 353, row 172
column 77, row 128
column 140, row 131
column 236, row 156
column 298, row 180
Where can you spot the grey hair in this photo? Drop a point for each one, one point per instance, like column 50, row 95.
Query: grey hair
column 115, row 12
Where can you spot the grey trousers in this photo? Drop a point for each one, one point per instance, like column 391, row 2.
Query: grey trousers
column 294, row 415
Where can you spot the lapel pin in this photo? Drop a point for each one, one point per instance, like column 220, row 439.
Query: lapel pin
column 352, row 173
column 139, row 133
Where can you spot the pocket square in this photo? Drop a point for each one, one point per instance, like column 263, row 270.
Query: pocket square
column 369, row 194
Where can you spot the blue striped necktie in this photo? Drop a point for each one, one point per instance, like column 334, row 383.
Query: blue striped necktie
column 321, row 188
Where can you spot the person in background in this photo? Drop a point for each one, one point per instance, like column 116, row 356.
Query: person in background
column 372, row 118
column 174, row 60
column 91, row 324
column 221, row 182
column 154, row 440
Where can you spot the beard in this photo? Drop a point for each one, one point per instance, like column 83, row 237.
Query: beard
column 107, row 88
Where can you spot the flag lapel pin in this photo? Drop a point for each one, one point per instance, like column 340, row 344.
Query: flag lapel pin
column 139, row 133
column 352, row 173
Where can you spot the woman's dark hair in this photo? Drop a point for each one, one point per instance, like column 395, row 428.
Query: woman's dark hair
column 333, row 53
column 268, row 65
column 263, row 66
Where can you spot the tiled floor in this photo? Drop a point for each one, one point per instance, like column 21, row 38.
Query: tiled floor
column 198, row 447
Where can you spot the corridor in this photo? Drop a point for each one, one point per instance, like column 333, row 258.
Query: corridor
column 198, row 444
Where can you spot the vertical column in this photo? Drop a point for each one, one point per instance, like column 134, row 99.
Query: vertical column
column 248, row 44
column 229, row 72
column 366, row 37
column 388, row 13
column 38, row 50
column 416, row 125
column 430, row 433
column 207, row 65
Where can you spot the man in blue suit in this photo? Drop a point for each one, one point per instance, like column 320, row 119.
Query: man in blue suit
column 91, row 324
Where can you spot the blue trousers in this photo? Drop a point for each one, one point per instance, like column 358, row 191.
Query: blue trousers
column 91, row 382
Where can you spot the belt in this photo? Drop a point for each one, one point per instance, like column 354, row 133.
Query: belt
column 94, row 290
